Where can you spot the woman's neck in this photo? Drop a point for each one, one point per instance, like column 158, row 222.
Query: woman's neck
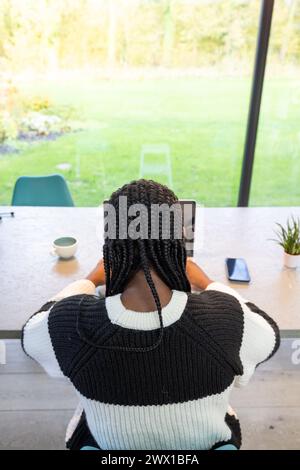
column 138, row 296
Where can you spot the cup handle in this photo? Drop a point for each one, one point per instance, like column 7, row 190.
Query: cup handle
column 53, row 251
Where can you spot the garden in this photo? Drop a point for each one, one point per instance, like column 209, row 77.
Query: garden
column 168, row 73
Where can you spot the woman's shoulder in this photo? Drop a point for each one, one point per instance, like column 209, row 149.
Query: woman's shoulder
column 217, row 318
column 219, row 313
column 85, row 300
column 214, row 302
column 88, row 309
column 70, row 321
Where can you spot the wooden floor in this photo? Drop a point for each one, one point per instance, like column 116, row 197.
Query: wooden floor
column 34, row 409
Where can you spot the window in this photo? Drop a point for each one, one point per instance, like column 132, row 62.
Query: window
column 104, row 92
column 276, row 174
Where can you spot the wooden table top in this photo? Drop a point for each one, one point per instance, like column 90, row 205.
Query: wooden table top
column 30, row 274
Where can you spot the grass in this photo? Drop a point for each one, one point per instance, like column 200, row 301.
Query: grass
column 202, row 120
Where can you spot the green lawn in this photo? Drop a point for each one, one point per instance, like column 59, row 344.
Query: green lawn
column 202, row 120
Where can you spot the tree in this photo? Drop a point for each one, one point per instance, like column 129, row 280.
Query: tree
column 169, row 31
column 293, row 4
column 112, row 32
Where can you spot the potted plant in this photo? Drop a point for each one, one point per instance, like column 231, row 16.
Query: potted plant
column 289, row 238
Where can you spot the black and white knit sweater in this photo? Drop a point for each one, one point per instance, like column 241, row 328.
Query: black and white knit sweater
column 174, row 397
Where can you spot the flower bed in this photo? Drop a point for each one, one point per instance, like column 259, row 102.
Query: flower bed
column 29, row 119
column 38, row 126
column 6, row 149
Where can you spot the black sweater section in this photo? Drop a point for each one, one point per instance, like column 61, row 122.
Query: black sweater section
column 198, row 356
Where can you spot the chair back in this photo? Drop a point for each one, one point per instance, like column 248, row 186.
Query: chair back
column 51, row 190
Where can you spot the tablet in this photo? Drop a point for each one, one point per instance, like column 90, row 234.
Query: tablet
column 189, row 220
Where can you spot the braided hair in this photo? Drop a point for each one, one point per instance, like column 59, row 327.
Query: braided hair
column 124, row 257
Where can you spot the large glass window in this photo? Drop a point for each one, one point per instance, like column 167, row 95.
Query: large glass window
column 106, row 91
column 276, row 174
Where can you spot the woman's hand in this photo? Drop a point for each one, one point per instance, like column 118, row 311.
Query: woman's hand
column 97, row 276
column 198, row 279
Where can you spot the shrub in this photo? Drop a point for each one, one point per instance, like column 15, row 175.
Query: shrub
column 42, row 124
column 8, row 128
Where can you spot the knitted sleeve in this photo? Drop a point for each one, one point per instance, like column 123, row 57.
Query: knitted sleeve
column 36, row 341
column 260, row 339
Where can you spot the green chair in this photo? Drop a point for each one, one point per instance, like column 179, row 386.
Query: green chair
column 49, row 190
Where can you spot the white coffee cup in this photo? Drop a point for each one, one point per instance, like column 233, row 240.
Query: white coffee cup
column 65, row 247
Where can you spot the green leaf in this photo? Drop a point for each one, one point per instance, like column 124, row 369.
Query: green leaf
column 289, row 236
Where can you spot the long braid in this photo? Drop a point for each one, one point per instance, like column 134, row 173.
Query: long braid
column 157, row 265
column 106, row 266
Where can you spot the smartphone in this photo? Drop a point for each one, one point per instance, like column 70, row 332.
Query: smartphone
column 237, row 270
